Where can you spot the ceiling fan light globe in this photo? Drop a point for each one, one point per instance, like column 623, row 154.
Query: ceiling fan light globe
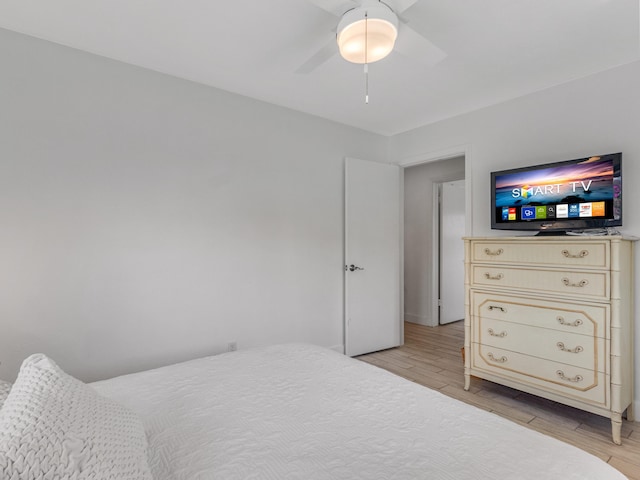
column 367, row 39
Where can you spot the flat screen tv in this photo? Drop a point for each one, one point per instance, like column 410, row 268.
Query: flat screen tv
column 560, row 197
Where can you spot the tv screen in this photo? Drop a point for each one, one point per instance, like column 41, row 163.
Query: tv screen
column 585, row 193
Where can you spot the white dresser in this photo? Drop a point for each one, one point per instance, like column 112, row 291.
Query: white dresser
column 553, row 316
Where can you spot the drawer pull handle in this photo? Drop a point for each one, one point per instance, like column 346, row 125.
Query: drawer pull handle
column 575, row 323
column 493, row 253
column 494, row 334
column 576, row 379
column 502, row 359
column 493, row 277
column 496, row 307
column 580, row 284
column 561, row 346
column 582, row 254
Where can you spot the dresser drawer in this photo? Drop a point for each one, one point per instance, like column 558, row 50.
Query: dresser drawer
column 587, row 284
column 587, row 385
column 592, row 254
column 561, row 347
column 581, row 318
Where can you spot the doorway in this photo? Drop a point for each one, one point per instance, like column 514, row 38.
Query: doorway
column 422, row 231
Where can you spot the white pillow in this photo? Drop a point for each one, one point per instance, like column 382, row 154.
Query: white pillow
column 5, row 387
column 54, row 426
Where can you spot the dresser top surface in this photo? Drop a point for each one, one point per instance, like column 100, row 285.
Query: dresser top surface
column 556, row 238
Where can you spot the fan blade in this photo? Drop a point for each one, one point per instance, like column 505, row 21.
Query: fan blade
column 413, row 45
column 399, row 6
column 336, row 7
column 318, row 58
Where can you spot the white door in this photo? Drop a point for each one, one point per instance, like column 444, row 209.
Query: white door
column 372, row 257
column 452, row 225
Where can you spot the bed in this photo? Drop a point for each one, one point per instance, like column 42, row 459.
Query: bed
column 299, row 411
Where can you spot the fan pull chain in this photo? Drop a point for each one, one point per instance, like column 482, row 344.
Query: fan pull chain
column 366, row 64
column 366, row 83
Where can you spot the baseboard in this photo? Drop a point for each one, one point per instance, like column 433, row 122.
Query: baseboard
column 419, row 319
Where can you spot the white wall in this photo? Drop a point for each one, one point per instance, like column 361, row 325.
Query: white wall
column 594, row 115
column 146, row 219
column 418, row 235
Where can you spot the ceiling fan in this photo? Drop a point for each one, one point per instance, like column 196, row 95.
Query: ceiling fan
column 367, row 30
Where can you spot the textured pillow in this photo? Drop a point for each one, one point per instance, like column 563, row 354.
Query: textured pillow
column 55, row 427
column 4, row 391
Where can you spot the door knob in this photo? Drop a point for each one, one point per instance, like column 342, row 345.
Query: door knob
column 352, row 267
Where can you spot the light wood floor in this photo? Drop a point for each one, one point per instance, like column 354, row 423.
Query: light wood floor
column 431, row 357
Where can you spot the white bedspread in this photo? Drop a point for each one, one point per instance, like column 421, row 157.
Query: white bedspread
column 304, row 412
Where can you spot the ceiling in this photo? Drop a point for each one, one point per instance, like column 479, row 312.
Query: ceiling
column 496, row 50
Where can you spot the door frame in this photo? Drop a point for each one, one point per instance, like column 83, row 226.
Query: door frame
column 444, row 154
